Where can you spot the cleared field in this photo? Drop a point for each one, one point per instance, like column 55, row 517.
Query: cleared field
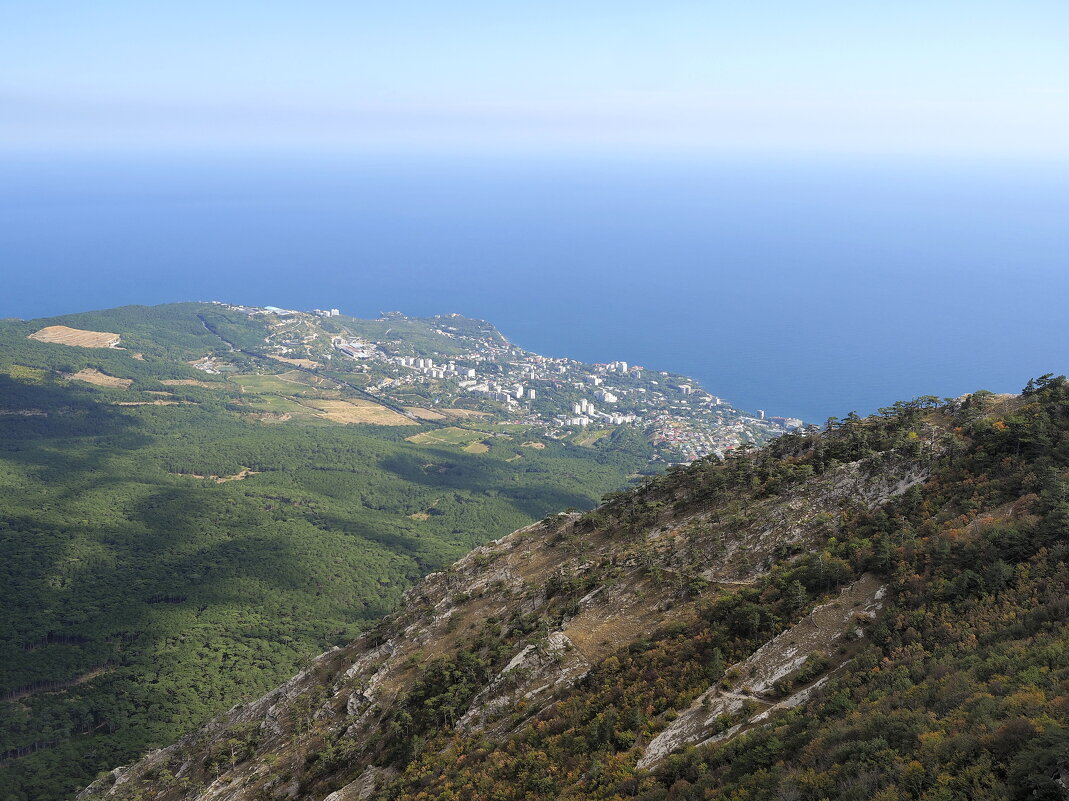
column 590, row 437
column 509, row 428
column 538, row 446
column 299, row 362
column 28, row 375
column 465, row 413
column 307, row 379
column 448, row 436
column 264, row 383
column 279, row 408
column 76, row 337
column 357, row 411
column 424, row 414
column 91, row 376
column 477, row 447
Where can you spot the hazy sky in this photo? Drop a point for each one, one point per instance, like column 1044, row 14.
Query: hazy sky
column 950, row 76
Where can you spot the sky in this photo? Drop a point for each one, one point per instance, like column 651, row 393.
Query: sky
column 949, row 78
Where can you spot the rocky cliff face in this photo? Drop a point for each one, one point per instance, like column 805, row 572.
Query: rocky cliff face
column 736, row 572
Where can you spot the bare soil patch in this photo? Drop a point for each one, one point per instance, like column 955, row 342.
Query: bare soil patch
column 299, row 362
column 465, row 413
column 424, row 414
column 538, row 446
column 76, row 337
column 601, row 628
column 357, row 411
column 93, row 376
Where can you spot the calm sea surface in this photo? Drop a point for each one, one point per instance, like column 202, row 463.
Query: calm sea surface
column 802, row 288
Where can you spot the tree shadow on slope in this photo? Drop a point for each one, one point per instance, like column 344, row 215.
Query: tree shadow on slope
column 187, row 613
column 443, row 469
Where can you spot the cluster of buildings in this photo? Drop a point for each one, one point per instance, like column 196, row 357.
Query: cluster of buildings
column 207, row 365
column 354, row 348
column 789, row 423
column 427, row 367
column 682, row 421
column 584, row 413
column 499, row 393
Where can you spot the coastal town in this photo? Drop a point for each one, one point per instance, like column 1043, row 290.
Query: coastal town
column 454, row 362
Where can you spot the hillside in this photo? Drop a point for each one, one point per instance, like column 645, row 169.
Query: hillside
column 195, row 497
column 877, row 611
column 175, row 539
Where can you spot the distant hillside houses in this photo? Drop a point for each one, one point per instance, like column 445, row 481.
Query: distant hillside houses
column 354, row 348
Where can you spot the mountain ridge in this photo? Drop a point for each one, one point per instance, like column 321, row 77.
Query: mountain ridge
column 746, row 608
column 195, row 496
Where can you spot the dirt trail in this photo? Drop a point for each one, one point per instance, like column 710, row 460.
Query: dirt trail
column 222, row 479
column 55, row 686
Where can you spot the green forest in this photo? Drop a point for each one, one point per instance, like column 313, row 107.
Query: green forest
column 169, row 549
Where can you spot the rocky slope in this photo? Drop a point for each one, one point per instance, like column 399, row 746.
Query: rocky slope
column 711, row 610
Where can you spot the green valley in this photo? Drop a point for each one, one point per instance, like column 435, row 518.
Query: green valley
column 184, row 519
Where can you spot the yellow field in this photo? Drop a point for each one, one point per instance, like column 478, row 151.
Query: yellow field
column 465, row 413
column 91, row 376
column 357, row 411
column 299, row 362
column 62, row 335
column 424, row 414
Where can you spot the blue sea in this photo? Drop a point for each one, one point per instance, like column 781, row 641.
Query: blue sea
column 804, row 287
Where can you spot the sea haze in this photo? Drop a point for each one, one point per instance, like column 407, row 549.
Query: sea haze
column 805, row 288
